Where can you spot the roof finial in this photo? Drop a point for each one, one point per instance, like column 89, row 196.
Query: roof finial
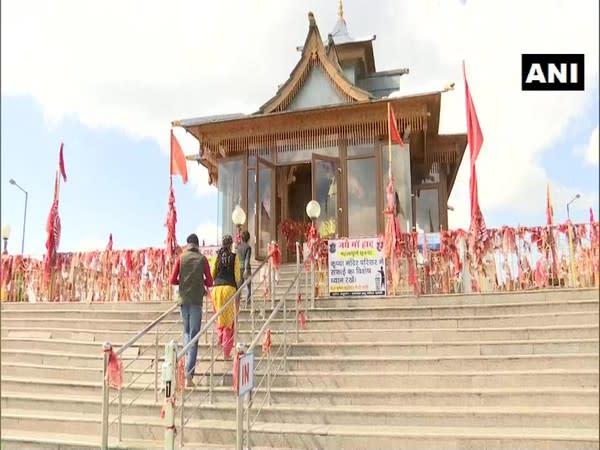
column 341, row 10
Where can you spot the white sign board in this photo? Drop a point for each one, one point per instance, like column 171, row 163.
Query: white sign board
column 356, row 267
column 246, row 374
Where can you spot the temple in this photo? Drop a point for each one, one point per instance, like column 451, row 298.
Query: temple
column 324, row 136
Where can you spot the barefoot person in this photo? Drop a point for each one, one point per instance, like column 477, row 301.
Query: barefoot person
column 226, row 275
column 192, row 274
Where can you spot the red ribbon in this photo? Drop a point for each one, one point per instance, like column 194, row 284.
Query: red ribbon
column 266, row 346
column 302, row 319
column 114, row 370
column 180, row 374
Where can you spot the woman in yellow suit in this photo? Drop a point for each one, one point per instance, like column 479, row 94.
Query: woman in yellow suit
column 226, row 276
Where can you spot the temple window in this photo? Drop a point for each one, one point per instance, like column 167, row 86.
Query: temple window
column 362, row 198
column 230, row 193
column 427, row 210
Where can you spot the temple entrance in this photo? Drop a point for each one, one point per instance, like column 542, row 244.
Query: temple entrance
column 293, row 193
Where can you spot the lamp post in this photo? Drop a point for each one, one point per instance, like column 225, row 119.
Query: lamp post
column 313, row 211
column 238, row 216
column 5, row 236
column 569, row 204
column 14, row 183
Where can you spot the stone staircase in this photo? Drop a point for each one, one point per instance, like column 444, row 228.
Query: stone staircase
column 501, row 371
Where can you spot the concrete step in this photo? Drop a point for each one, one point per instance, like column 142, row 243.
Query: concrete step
column 442, row 379
column 341, row 312
column 332, row 362
column 322, row 436
column 318, row 396
column 332, row 335
column 375, row 348
column 397, row 415
column 507, row 320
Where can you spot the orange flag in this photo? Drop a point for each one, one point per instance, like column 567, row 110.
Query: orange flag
column 178, row 166
column 392, row 128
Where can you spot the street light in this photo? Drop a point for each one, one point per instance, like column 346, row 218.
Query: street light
column 14, row 183
column 5, row 236
column 238, row 216
column 313, row 210
column 569, row 204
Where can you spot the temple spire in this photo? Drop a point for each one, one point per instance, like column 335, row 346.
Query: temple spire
column 341, row 10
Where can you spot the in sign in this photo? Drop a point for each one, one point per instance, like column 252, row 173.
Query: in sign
column 246, row 374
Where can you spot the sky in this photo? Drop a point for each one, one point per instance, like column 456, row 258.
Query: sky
column 108, row 78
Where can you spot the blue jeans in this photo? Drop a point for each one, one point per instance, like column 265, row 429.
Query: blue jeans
column 191, row 315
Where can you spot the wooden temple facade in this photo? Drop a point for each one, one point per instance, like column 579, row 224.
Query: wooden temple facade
column 324, row 136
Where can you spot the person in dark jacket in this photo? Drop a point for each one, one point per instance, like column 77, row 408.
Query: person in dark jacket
column 226, row 273
column 244, row 253
column 192, row 274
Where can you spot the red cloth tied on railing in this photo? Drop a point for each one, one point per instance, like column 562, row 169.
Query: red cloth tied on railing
column 114, row 370
column 275, row 256
column 314, row 243
column 236, row 371
column 180, row 374
column 266, row 345
column 302, row 319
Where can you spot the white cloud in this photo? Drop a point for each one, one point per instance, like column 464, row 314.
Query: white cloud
column 592, row 150
column 138, row 65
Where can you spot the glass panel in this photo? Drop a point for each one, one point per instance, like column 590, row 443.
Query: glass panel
column 265, row 217
column 230, row 193
column 362, row 198
column 305, row 155
column 428, row 213
column 360, row 150
column 325, row 179
column 251, row 220
column 251, row 162
column 402, row 184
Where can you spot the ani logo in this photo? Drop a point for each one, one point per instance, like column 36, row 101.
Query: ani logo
column 552, row 72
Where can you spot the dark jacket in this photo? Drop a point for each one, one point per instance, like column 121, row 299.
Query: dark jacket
column 244, row 253
column 192, row 274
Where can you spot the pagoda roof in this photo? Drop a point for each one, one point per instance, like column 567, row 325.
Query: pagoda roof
column 314, row 54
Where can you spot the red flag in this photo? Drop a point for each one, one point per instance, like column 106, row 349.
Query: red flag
column 109, row 246
column 474, row 134
column 53, row 231
column 475, row 139
column 171, row 222
column 178, row 166
column 61, row 163
column 392, row 128
column 549, row 208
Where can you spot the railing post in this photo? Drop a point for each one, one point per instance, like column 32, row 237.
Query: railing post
column 170, row 383
column 182, row 418
column 248, row 424
column 156, row 366
column 284, row 333
column 212, row 364
column 272, row 283
column 269, row 378
column 105, row 391
column 312, row 285
column 239, row 435
column 297, row 291
column 120, row 413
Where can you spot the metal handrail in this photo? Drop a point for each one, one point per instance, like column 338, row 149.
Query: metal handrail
column 145, row 330
column 273, row 313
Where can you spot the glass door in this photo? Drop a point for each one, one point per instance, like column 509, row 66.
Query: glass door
column 266, row 207
column 326, row 189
